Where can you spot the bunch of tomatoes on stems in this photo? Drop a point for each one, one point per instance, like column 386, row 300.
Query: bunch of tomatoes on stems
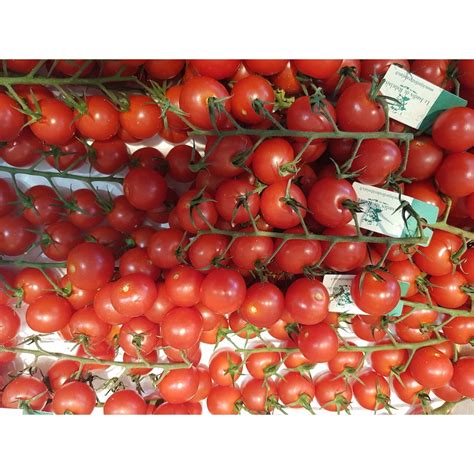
column 119, row 270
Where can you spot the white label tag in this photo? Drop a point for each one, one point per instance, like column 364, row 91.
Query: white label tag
column 418, row 101
column 382, row 212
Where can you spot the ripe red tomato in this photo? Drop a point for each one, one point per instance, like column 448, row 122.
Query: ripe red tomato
column 419, row 317
column 56, row 125
column 425, row 191
column 16, row 236
column 133, row 294
column 250, row 252
column 282, row 205
column 296, row 254
column 328, row 200
column 263, row 305
column 331, row 392
column 85, row 210
column 143, row 118
column 348, row 361
column 344, row 256
column 139, row 335
column 271, row 159
column 304, row 117
column 287, row 80
column 375, row 160
column 433, row 70
column 245, row 92
column 136, row 260
column 237, row 201
column 463, row 376
column 59, row 239
column 431, row 368
column 379, row 67
column 124, row 217
column 100, row 120
column 225, row 366
column 7, row 198
column 447, row 290
column 9, row 323
column 307, row 301
column 317, row 68
column 371, row 390
column 318, row 342
column 216, row 68
column 385, row 362
column 70, row 67
column 453, row 130
column 460, row 330
column 144, row 188
column 163, row 69
column 181, row 328
column 223, row 291
column 49, row 313
column 196, row 211
column 25, row 389
column 182, row 285
column 165, row 247
column 208, row 249
column 32, row 284
column 108, row 156
column 22, row 66
column 67, row 157
column 408, row 272
column 194, row 101
column 366, row 329
column 75, row 398
column 90, row 266
column 41, row 205
column 407, row 388
column 11, row 119
column 258, row 395
column 266, row 67
column 179, row 385
column 104, row 309
column 375, row 293
column 61, row 372
column 179, row 160
column 448, row 393
column 125, row 402
column 85, row 323
column 424, row 158
column 357, row 112
column 455, row 175
column 259, row 363
column 295, row 390
column 222, row 400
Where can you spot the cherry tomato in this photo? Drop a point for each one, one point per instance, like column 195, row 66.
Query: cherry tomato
column 74, row 397
column 259, row 363
column 424, row 158
column 453, row 129
column 125, row 402
column 407, row 388
column 295, row 390
column 49, row 313
column 133, row 294
column 9, row 323
column 375, row 293
column 258, row 395
column 346, row 361
column 331, row 392
column 216, row 68
column 108, row 156
column 431, row 368
column 104, row 308
column 179, row 385
column 463, row 376
column 56, row 125
column 90, row 266
column 357, row 111
column 307, row 301
column 208, row 249
column 263, row 305
column 61, row 372
column 318, row 342
column 100, row 120
column 371, row 390
column 460, row 330
column 317, row 68
column 181, row 328
column 143, row 118
column 59, row 239
column 385, row 362
column 138, row 335
column 16, row 236
column 455, row 175
column 165, row 246
column 32, row 284
column 371, row 67
column 163, row 69
column 25, row 389
column 222, row 400
column 194, row 101
column 447, row 290
column 11, row 119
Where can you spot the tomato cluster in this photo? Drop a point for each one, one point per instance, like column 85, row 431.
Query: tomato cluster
column 225, row 238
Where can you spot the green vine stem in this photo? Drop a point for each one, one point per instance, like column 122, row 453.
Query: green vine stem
column 25, row 264
column 64, row 175
column 439, row 309
column 310, row 236
column 365, row 349
column 86, row 360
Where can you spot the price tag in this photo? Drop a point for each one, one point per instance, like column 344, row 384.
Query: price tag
column 417, row 102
